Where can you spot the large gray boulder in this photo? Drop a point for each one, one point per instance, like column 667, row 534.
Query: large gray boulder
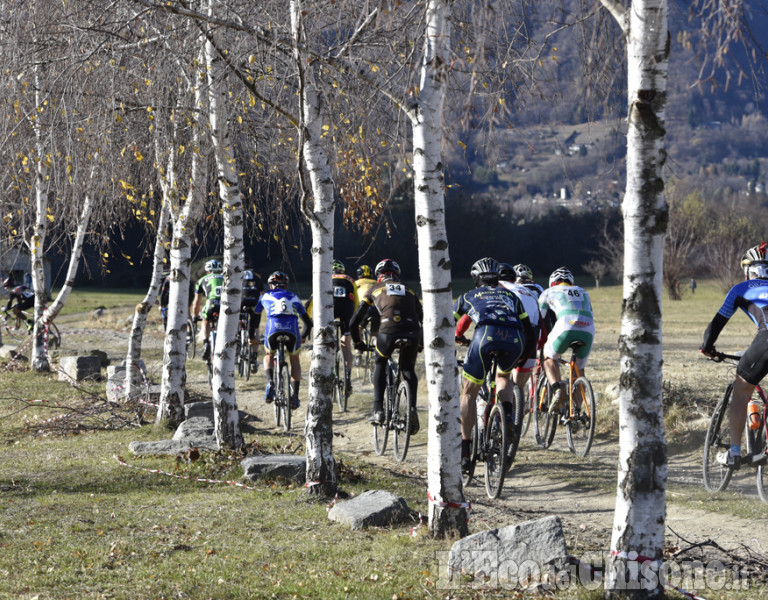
column 8, row 352
column 374, row 508
column 510, row 556
column 271, row 466
column 197, row 433
column 79, row 368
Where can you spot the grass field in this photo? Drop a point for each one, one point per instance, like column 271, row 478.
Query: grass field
column 75, row 524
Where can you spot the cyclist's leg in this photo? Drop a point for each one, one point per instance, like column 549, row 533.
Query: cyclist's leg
column 408, row 355
column 293, row 354
column 753, row 366
column 269, row 368
column 384, row 346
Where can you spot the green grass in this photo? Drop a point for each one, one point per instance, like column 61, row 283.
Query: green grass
column 76, row 524
column 88, row 299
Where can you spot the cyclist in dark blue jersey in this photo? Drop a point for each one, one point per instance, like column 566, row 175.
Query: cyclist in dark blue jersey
column 751, row 296
column 501, row 326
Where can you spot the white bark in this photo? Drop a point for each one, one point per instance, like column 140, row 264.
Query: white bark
column 318, row 428
column 226, row 416
column 446, row 513
column 172, row 389
column 640, row 499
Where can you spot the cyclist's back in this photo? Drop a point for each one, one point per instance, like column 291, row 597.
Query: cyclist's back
column 566, row 311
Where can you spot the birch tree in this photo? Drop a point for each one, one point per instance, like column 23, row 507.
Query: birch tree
column 639, row 518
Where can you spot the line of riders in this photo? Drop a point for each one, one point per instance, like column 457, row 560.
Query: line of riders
column 514, row 318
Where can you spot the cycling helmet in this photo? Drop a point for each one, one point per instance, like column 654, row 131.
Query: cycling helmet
column 278, row 279
column 524, row 273
column 213, row 266
column 561, row 274
column 754, row 257
column 363, row 272
column 485, row 272
column 507, row 273
column 387, row 269
column 338, row 267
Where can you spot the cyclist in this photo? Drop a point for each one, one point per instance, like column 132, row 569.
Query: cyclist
column 208, row 293
column 345, row 301
column 501, row 326
column 252, row 290
column 284, row 309
column 364, row 279
column 751, row 296
column 400, row 315
column 524, row 276
column 566, row 313
column 530, row 299
column 20, row 298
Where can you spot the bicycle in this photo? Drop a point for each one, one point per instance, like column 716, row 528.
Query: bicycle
column 493, row 442
column 18, row 329
column 243, row 346
column 364, row 360
column 529, row 398
column 578, row 417
column 282, row 401
column 339, row 371
column 718, row 476
column 191, row 330
column 397, row 408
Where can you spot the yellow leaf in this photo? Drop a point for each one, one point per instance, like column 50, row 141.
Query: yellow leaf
column 138, row 156
column 463, row 145
column 106, row 255
column 50, row 218
column 374, row 68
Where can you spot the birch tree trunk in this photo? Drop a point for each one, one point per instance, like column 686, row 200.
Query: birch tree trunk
column 639, row 518
column 172, row 389
column 226, row 415
column 318, row 427
column 447, row 511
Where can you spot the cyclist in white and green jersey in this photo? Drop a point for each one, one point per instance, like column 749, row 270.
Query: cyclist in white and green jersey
column 208, row 292
column 566, row 312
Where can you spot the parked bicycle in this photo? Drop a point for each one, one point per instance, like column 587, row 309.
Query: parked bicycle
column 397, row 408
column 493, row 442
column 578, row 415
column 282, row 402
column 718, row 440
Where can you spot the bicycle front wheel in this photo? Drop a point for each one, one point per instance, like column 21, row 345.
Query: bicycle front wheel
column 339, row 392
column 401, row 421
column 544, row 424
column 284, row 391
column 191, row 338
column 717, row 476
column 513, row 440
column 580, row 427
column 495, row 451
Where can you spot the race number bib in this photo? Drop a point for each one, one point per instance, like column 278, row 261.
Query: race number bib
column 339, row 291
column 28, row 294
column 395, row 289
column 282, row 307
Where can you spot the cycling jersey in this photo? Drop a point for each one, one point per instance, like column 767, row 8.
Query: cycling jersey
column 529, row 298
column 400, row 311
column 252, row 289
column 283, row 310
column 488, row 305
column 209, row 286
column 23, row 297
column 363, row 285
column 345, row 299
column 568, row 309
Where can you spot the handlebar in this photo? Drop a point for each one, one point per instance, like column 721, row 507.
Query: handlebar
column 719, row 357
column 462, row 340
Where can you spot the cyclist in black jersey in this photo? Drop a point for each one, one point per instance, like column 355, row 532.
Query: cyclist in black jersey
column 751, row 296
column 20, row 298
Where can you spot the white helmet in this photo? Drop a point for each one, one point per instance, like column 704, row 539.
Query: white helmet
column 213, row 266
column 561, row 274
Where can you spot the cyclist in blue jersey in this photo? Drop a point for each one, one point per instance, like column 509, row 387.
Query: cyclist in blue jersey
column 284, row 309
column 751, row 296
column 501, row 326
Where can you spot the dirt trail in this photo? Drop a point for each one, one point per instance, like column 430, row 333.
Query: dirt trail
column 529, row 491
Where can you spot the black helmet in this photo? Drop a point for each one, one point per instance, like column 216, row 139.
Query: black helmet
column 387, row 269
column 278, row 279
column 507, row 272
column 485, row 272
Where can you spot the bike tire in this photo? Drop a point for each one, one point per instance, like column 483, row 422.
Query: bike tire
column 401, row 421
column 513, row 443
column 580, row 428
column 466, row 478
column 495, row 451
column 717, row 476
column 338, row 383
column 54, row 337
column 191, row 339
column 381, row 432
column 529, row 399
column 544, row 424
column 285, row 384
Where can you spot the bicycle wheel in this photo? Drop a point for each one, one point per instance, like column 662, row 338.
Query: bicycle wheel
column 285, row 395
column 473, row 450
column 54, row 337
column 238, row 356
column 401, row 421
column 513, row 441
column 338, row 382
column 717, row 476
column 381, row 432
column 544, row 424
column 529, row 396
column 495, row 451
column 580, row 427
column 191, row 338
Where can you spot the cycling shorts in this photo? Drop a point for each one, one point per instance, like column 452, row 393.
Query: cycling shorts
column 753, row 365
column 211, row 310
column 292, row 344
column 344, row 314
column 564, row 336
column 385, row 346
column 506, row 342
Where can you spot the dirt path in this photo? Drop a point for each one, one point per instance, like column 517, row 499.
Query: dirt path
column 537, row 486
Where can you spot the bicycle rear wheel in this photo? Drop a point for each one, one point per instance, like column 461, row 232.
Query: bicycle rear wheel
column 191, row 338
column 495, row 451
column 401, row 421
column 580, row 428
column 466, row 478
column 54, row 337
column 339, row 393
column 544, row 424
column 284, row 391
column 513, row 441
column 717, row 476
column 529, row 399
column 381, row 431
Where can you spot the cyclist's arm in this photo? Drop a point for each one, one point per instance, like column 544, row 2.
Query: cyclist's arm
column 710, row 335
column 530, row 337
column 462, row 325
column 307, row 320
column 356, row 320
